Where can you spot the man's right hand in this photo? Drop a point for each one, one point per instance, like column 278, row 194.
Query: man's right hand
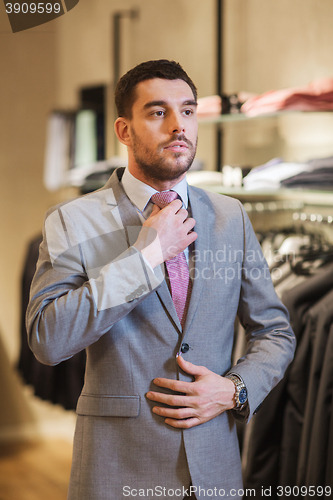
column 174, row 233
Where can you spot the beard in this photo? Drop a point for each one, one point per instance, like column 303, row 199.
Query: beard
column 154, row 165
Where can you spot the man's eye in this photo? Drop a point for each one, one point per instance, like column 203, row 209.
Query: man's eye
column 159, row 113
column 188, row 112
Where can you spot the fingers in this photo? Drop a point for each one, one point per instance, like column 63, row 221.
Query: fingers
column 174, row 206
column 192, row 403
column 183, row 424
column 174, row 413
column 175, row 233
column 181, row 418
column 173, row 385
column 189, row 223
column 182, row 214
column 167, row 399
column 155, row 210
column 190, row 368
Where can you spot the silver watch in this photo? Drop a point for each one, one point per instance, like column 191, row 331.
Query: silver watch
column 240, row 392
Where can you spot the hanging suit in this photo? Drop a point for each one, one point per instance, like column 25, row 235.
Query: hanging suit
column 278, row 451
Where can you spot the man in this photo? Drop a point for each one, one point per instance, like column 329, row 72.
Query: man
column 151, row 288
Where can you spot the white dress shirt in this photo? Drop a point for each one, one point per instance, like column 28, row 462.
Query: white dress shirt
column 140, row 193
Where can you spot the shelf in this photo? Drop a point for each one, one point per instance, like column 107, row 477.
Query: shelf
column 299, row 196
column 241, row 117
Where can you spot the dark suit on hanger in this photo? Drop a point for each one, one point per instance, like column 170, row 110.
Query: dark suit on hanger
column 302, row 389
column 312, row 456
column 318, row 472
column 59, row 384
column 264, row 460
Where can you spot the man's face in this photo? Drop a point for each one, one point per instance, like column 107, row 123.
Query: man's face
column 163, row 130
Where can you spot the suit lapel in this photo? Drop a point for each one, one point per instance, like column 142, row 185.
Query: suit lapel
column 167, row 303
column 120, row 206
column 201, row 215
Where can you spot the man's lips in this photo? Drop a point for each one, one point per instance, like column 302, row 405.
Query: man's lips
column 177, row 146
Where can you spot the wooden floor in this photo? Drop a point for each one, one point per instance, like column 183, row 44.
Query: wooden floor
column 35, row 470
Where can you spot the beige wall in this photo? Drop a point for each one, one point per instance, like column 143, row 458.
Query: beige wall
column 273, row 44
column 183, row 30
column 27, row 90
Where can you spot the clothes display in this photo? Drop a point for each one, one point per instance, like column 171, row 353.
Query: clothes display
column 59, row 149
column 276, row 174
column 271, row 174
column 221, row 104
column 317, row 175
column 85, row 137
column 316, row 96
column 59, row 384
column 290, row 440
column 75, row 146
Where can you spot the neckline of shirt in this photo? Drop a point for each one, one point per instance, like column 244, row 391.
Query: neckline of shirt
column 140, row 193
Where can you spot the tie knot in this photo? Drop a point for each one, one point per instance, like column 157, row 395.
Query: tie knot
column 163, row 198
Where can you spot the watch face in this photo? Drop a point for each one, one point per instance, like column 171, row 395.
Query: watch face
column 242, row 396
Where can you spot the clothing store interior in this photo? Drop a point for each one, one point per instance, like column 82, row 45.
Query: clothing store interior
column 264, row 73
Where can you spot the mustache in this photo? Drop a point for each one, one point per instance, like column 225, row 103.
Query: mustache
column 178, row 137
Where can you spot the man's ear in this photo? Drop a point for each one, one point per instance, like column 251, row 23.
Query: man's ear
column 122, row 131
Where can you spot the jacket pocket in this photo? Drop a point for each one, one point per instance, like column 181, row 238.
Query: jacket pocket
column 108, row 406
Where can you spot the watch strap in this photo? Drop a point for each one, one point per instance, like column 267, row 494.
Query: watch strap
column 240, row 390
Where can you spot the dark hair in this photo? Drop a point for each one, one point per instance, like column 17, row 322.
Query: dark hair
column 162, row 68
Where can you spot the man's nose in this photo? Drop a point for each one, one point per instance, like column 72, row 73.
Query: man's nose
column 177, row 123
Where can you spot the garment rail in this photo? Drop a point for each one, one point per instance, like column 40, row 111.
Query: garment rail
column 273, row 206
column 302, row 216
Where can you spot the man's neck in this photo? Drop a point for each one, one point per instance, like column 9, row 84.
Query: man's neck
column 155, row 183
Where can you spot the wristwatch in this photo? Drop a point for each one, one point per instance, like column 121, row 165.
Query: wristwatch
column 240, row 392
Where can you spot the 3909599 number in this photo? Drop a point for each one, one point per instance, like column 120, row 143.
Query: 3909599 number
column 302, row 491
column 33, row 8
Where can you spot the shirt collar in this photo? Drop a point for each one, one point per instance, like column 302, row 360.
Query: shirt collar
column 140, row 193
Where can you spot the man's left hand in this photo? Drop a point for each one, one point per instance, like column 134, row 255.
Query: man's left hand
column 205, row 398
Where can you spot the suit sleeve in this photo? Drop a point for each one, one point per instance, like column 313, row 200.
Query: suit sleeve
column 270, row 339
column 80, row 290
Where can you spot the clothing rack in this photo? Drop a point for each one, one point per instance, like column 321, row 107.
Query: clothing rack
column 266, row 215
column 276, row 206
column 273, row 206
column 303, row 216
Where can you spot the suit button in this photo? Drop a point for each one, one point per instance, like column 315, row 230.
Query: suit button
column 185, row 348
column 139, row 291
column 130, row 297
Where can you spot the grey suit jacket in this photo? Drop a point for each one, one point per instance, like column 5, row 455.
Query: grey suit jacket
column 93, row 290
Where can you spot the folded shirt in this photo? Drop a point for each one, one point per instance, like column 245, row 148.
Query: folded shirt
column 316, row 96
column 321, row 178
column 270, row 175
column 275, row 174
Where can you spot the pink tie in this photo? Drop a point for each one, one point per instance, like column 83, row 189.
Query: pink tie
column 177, row 267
